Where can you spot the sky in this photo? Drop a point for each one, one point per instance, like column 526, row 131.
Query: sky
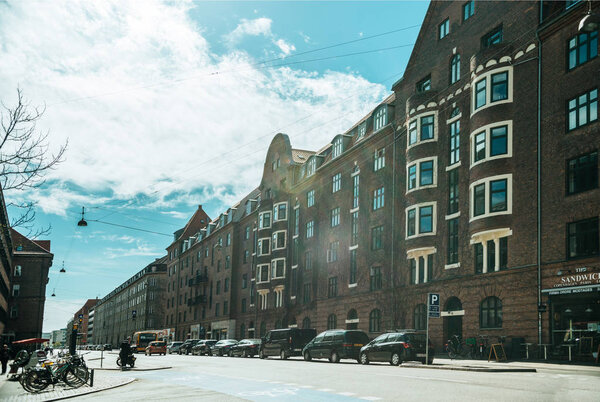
column 167, row 105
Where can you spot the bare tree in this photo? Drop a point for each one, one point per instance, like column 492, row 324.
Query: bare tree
column 25, row 157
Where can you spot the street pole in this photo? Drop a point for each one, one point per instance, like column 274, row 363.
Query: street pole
column 427, row 335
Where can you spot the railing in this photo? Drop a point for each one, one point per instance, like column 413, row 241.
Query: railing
column 197, row 280
column 196, row 300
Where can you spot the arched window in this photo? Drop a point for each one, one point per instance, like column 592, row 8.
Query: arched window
column 278, row 324
column 490, row 313
column 352, row 320
column 375, row 320
column 420, row 316
column 455, row 69
column 242, row 331
column 306, row 323
column 331, row 321
column 263, row 329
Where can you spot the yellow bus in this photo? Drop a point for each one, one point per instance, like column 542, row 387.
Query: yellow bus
column 141, row 339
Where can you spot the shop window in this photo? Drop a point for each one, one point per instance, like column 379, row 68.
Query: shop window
column 582, row 238
column 490, row 313
column 455, row 68
column 582, row 48
column 582, row 173
column 420, row 317
column 582, row 110
column 375, row 321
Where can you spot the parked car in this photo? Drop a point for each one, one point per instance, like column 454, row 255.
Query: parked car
column 187, row 346
column 396, row 347
column 285, row 342
column 98, row 347
column 335, row 345
column 222, row 347
column 156, row 347
column 203, row 347
column 107, row 346
column 174, row 346
column 245, row 348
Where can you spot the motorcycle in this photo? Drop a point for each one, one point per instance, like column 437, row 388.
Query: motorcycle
column 130, row 361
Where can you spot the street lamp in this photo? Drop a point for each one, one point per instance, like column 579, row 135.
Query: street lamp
column 591, row 22
column 82, row 222
column 63, row 270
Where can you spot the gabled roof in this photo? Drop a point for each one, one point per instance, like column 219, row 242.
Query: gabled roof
column 301, row 155
column 23, row 244
column 198, row 221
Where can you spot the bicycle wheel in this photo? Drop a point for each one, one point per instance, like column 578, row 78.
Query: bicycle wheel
column 75, row 376
column 34, row 381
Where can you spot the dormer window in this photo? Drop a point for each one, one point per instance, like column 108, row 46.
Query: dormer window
column 424, row 84
column 380, row 120
column 312, row 167
column 338, row 147
column 362, row 129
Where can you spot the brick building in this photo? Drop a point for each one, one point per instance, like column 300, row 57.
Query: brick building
column 144, row 293
column 83, row 319
column 5, row 268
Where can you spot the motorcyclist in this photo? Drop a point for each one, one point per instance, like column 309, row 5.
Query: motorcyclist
column 124, row 353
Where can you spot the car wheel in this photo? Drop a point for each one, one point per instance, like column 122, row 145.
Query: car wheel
column 261, row 354
column 244, row 353
column 230, row 353
column 395, row 360
column 307, row 356
column 334, row 358
column 220, row 352
column 363, row 359
column 283, row 355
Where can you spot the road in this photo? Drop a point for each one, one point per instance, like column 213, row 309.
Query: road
column 224, row 378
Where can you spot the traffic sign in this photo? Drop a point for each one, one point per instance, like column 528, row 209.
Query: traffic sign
column 80, row 315
column 433, row 305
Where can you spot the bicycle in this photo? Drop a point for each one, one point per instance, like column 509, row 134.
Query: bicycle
column 457, row 348
column 482, row 347
column 73, row 372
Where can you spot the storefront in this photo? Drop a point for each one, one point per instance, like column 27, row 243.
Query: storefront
column 573, row 300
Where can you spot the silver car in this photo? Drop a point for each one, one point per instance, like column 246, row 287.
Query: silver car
column 173, row 347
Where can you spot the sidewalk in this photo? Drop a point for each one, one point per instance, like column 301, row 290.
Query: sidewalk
column 13, row 391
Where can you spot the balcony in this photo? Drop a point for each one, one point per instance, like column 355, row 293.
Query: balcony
column 201, row 299
column 197, row 280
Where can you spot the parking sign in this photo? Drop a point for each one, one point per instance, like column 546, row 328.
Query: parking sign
column 433, row 305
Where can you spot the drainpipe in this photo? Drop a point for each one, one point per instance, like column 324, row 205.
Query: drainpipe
column 539, row 185
column 393, row 265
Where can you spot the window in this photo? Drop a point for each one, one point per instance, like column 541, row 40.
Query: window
column 375, row 321
column 17, row 270
column 264, row 246
column 412, row 177
column 491, row 196
column 495, row 141
column 423, row 214
column 443, row 29
column 278, row 268
column 452, row 241
column 337, row 147
column 306, row 293
column 490, row 313
column 225, row 308
column 308, row 261
column 335, row 217
column 412, row 132
column 332, row 287
column 279, row 238
column 16, row 290
column 499, row 86
column 244, row 281
column 424, row 84
column 498, row 141
column 426, row 128
column 310, row 226
column 336, row 183
column 380, row 119
column 378, row 198
column 280, row 212
column 492, row 38
column 582, row 173
column 226, row 285
column 426, row 219
column 479, row 199
column 582, row 48
column 478, row 253
column 353, row 267
column 218, row 289
column 354, row 228
column 468, row 9
column 263, row 329
column 425, row 173
column 480, row 93
column 227, row 262
column 331, row 321
column 411, row 223
column 264, row 220
column 278, row 303
column 379, row 159
column 420, row 317
column 498, row 195
column 227, row 241
column 375, row 281
column 246, row 256
column 310, row 198
column 14, row 311
column 452, row 191
column 312, row 166
column 355, row 190
column 582, row 109
column 582, row 238
column 332, row 251
column 216, row 311
column 377, row 238
column 455, row 68
column 296, row 221
column 262, row 273
column 247, row 233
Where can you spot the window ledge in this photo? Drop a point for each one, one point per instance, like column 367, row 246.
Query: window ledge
column 419, row 142
column 454, row 165
column 421, row 188
column 419, row 235
column 452, row 266
column 488, row 215
column 352, row 285
column 490, row 158
column 292, row 297
column 452, row 216
column 354, row 210
column 295, row 236
column 354, row 247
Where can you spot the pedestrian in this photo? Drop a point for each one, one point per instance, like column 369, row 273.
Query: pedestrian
column 4, row 356
column 124, row 352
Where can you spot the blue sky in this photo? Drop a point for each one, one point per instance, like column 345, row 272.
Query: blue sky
column 167, row 106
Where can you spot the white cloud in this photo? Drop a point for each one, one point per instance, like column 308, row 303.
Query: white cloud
column 135, row 91
column 140, row 249
column 255, row 27
column 285, row 47
column 58, row 311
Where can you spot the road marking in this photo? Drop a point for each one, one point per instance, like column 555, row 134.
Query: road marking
column 425, row 378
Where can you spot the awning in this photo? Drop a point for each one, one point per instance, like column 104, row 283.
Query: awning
column 572, row 290
column 30, row 341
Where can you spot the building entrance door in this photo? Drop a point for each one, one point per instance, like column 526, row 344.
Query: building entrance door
column 453, row 323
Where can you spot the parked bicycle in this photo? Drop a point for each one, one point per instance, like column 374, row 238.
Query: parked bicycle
column 482, row 347
column 456, row 348
column 72, row 372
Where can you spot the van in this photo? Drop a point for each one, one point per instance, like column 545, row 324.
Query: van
column 336, row 344
column 285, row 342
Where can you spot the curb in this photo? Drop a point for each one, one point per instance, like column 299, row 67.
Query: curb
column 134, row 369
column 91, row 391
column 479, row 369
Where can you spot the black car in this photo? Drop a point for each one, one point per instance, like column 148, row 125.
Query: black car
column 245, row 348
column 285, row 342
column 203, row 347
column 187, row 346
column 222, row 347
column 336, row 344
column 396, row 347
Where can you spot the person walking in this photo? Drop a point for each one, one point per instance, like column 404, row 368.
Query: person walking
column 4, row 356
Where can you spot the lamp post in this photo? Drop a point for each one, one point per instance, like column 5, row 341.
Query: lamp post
column 591, row 22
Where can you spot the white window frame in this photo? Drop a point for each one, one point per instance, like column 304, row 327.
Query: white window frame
column 488, row 89
column 259, row 246
column 311, row 166
column 487, row 180
column 334, row 213
column 276, row 217
column 418, row 218
column 494, row 235
column 488, row 142
column 310, row 196
column 16, row 289
column 415, row 254
column 259, row 269
column 362, row 130
column 417, row 118
column 276, row 237
column 312, row 229
column 261, row 220
column 379, row 159
column 336, row 182
column 18, row 271
column 417, row 163
column 274, row 268
column 330, row 249
column 337, row 148
column 380, row 118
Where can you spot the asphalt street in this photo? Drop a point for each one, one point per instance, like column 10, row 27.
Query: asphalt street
column 225, row 378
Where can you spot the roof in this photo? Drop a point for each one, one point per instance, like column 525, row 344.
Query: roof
column 199, row 220
column 301, row 155
column 23, row 244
